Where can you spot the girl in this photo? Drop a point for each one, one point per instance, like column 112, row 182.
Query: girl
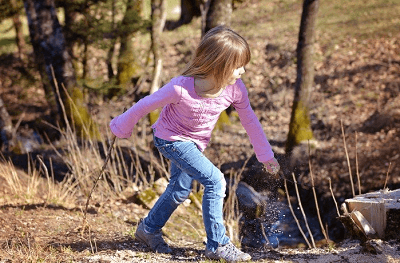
column 191, row 105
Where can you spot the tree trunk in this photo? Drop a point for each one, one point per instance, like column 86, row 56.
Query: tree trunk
column 70, row 19
column 189, row 10
column 128, row 66
column 51, row 55
column 300, row 126
column 19, row 36
column 219, row 14
column 110, row 53
column 7, row 138
column 158, row 16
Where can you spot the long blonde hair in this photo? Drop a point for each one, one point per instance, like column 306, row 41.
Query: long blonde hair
column 219, row 53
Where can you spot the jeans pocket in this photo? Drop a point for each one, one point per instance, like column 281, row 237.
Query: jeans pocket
column 159, row 142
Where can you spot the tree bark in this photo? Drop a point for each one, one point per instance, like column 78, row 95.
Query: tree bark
column 217, row 12
column 7, row 137
column 128, row 66
column 189, row 10
column 158, row 16
column 220, row 13
column 111, row 50
column 300, row 125
column 51, row 55
column 70, row 15
column 19, row 37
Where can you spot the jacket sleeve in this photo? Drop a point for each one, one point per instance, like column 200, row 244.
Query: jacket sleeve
column 251, row 124
column 122, row 125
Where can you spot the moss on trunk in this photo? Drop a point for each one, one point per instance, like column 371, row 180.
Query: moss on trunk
column 79, row 116
column 300, row 126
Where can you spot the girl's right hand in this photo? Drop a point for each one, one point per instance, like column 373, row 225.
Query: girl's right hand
column 272, row 166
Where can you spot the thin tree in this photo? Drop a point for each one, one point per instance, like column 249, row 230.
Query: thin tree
column 300, row 126
column 158, row 16
column 51, row 53
column 12, row 9
column 128, row 65
column 111, row 50
column 216, row 13
column 19, row 36
column 7, row 136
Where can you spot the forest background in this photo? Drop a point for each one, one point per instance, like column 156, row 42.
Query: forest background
column 49, row 165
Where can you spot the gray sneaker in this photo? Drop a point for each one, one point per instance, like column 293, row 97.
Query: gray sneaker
column 154, row 241
column 228, row 252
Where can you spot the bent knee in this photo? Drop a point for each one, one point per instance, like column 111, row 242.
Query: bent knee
column 179, row 198
column 218, row 187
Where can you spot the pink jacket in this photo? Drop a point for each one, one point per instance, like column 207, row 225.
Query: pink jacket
column 188, row 117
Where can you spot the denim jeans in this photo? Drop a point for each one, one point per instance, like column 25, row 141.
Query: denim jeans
column 188, row 164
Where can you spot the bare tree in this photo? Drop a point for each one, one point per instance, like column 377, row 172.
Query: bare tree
column 300, row 126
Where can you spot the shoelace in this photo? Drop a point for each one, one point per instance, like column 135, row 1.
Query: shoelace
column 231, row 252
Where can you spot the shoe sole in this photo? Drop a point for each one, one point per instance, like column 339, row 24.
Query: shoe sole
column 219, row 258
column 138, row 238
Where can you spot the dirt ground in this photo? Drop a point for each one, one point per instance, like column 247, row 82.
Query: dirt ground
column 357, row 85
column 54, row 234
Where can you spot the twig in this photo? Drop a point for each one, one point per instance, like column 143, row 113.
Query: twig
column 302, row 210
column 295, row 218
column 358, row 174
column 315, row 196
column 348, row 160
column 100, row 175
column 333, row 196
column 387, row 175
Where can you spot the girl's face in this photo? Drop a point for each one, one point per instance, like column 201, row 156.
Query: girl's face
column 237, row 73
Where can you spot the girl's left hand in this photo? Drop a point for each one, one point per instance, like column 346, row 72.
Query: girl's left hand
column 272, row 166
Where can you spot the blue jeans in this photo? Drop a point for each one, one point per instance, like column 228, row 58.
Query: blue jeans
column 188, row 164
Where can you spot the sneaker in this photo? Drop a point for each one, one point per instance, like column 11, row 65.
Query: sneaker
column 154, row 241
column 228, row 252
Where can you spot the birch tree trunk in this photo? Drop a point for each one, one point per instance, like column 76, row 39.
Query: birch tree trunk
column 300, row 126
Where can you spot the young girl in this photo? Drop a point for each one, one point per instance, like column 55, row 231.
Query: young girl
column 191, row 105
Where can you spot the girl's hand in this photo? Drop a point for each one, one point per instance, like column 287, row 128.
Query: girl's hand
column 272, row 166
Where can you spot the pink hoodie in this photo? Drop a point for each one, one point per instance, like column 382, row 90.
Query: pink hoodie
column 188, row 117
